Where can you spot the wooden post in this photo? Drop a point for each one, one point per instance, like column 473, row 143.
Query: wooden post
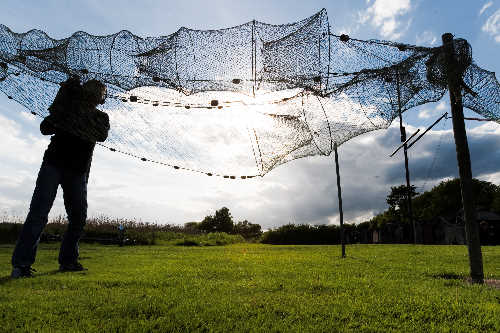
column 339, row 192
column 405, row 150
column 463, row 158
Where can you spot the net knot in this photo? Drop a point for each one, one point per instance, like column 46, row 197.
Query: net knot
column 3, row 71
column 402, row 47
column 436, row 65
column 21, row 59
column 344, row 38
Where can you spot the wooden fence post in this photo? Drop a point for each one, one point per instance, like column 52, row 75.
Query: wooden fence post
column 463, row 157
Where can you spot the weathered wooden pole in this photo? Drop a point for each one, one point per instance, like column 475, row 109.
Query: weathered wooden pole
column 463, row 158
column 407, row 171
column 339, row 192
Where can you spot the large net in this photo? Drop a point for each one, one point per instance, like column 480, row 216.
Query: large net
column 238, row 102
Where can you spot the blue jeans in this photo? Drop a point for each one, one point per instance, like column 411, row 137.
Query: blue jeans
column 74, row 187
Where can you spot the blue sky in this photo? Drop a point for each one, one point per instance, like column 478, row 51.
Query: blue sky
column 302, row 191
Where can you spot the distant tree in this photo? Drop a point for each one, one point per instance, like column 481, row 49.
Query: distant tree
column 221, row 221
column 397, row 198
column 191, row 226
column 247, row 229
column 443, row 200
column 382, row 219
column 208, row 224
column 303, row 234
column 495, row 204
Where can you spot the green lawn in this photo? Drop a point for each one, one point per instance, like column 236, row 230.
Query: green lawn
column 253, row 287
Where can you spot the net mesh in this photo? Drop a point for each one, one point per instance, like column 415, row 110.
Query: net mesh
column 239, row 101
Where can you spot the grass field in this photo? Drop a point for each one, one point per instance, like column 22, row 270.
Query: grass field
column 253, row 287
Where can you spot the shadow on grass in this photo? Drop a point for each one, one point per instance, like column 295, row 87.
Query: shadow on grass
column 494, row 283
column 448, row 276
column 7, row 279
column 187, row 242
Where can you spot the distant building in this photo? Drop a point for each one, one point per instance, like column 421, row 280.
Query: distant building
column 489, row 227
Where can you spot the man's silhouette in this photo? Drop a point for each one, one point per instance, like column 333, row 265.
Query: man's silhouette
column 76, row 125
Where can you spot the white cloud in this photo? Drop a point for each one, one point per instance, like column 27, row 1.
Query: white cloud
column 431, row 113
column 28, row 116
column 425, row 114
column 386, row 15
column 486, row 6
column 16, row 139
column 442, row 106
column 347, row 30
column 426, row 37
column 492, row 26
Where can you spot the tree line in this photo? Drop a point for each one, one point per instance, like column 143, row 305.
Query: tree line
column 222, row 221
column 443, row 200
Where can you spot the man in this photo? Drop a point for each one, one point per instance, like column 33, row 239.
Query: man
column 76, row 125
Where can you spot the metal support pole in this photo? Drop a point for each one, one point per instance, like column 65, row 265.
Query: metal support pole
column 463, row 158
column 407, row 171
column 408, row 196
column 339, row 192
column 254, row 61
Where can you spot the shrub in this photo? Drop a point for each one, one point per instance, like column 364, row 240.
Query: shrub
column 247, row 230
column 221, row 221
column 9, row 232
column 105, row 230
column 192, row 228
column 211, row 239
column 303, row 234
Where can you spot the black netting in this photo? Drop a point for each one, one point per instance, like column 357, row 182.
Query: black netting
column 241, row 100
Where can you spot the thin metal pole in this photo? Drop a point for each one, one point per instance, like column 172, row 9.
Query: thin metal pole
column 253, row 57
column 427, row 130
column 407, row 171
column 463, row 159
column 407, row 140
column 339, row 192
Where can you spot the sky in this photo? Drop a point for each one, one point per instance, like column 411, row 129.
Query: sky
column 302, row 191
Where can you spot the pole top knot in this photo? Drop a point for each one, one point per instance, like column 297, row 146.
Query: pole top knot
column 447, row 37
